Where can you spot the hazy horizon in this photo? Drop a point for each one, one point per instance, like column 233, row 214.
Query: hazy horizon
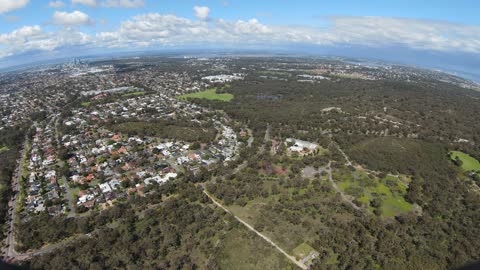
column 403, row 32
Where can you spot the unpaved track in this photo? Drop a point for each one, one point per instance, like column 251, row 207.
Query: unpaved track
column 344, row 197
column 291, row 258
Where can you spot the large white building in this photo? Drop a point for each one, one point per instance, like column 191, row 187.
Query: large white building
column 300, row 146
column 223, row 78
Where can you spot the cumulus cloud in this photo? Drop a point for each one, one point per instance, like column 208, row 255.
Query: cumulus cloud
column 414, row 33
column 201, row 12
column 154, row 30
column 157, row 29
column 69, row 19
column 10, row 5
column 252, row 26
column 169, row 30
column 56, row 4
column 30, row 38
column 21, row 35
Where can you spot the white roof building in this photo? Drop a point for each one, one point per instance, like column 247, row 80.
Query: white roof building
column 299, row 145
column 160, row 179
column 105, row 188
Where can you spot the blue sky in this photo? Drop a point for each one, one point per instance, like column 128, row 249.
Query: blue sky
column 269, row 11
column 58, row 28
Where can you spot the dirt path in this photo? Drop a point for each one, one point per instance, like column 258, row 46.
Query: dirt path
column 347, row 159
column 250, row 138
column 267, row 133
column 291, row 258
column 344, row 197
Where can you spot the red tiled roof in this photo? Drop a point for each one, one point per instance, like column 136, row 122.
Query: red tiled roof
column 90, row 177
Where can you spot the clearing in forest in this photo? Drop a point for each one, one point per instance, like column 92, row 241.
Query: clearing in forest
column 469, row 163
column 134, row 94
column 386, row 195
column 210, row 94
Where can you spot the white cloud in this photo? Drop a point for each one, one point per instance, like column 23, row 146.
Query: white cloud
column 201, row 12
column 56, row 4
column 124, row 3
column 69, row 19
column 154, row 30
column 157, row 29
column 21, row 35
column 251, row 26
column 10, row 5
column 30, row 38
column 90, row 3
column 418, row 34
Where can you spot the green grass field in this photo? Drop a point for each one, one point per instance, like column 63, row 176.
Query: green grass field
column 3, row 149
column 242, row 249
column 210, row 94
column 86, row 104
column 469, row 163
column 394, row 205
column 134, row 94
column 287, row 234
column 390, row 190
column 302, row 250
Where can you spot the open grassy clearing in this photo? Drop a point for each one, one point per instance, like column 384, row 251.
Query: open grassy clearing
column 292, row 225
column 289, row 210
column 3, row 149
column 241, row 249
column 134, row 94
column 469, row 163
column 386, row 193
column 285, row 234
column 86, row 104
column 302, row 250
column 210, row 94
